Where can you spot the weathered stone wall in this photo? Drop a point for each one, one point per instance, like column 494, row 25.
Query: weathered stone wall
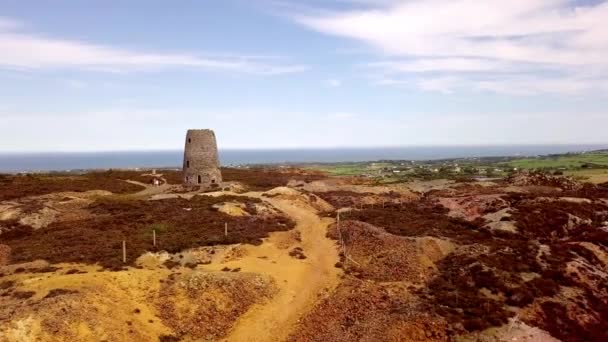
column 201, row 161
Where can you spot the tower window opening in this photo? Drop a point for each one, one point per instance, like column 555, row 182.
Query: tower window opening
column 187, row 163
column 189, row 140
column 213, row 181
column 199, row 179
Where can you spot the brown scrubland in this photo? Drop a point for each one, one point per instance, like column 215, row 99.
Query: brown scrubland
column 178, row 224
column 288, row 254
column 13, row 187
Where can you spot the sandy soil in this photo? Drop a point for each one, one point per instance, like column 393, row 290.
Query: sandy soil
column 91, row 312
column 151, row 307
column 232, row 208
column 300, row 282
column 40, row 211
column 515, row 330
column 335, row 184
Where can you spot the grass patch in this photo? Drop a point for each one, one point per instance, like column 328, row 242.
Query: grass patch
column 159, row 228
column 355, row 169
column 569, row 161
column 595, row 176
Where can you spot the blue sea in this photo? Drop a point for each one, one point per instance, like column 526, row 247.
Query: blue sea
column 34, row 162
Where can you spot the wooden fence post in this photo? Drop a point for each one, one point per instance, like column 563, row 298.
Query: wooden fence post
column 124, row 251
column 341, row 240
column 154, row 237
column 338, row 221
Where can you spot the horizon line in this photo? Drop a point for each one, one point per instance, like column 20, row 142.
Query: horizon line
column 308, row 148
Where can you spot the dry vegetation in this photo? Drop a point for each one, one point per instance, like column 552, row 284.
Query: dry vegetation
column 179, row 224
column 419, row 218
column 429, row 266
column 13, row 187
column 550, row 273
column 203, row 306
column 262, row 179
column 346, row 198
column 256, row 178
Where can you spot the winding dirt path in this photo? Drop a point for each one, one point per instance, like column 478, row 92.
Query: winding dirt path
column 301, row 282
column 149, row 189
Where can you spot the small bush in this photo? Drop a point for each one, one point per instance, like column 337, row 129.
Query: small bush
column 59, row 292
column 7, row 284
column 23, row 294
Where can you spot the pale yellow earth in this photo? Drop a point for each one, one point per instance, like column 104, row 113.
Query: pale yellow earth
column 301, row 283
column 124, row 305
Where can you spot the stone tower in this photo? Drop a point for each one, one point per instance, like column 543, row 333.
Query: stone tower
column 201, row 162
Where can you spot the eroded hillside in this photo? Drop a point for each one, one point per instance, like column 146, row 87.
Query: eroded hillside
column 264, row 259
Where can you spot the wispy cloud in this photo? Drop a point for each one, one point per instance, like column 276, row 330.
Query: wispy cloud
column 341, row 116
column 8, row 24
column 30, row 51
column 333, row 83
column 475, row 43
column 73, row 83
column 114, row 128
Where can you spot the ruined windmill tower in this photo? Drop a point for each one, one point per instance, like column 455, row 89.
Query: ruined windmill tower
column 201, row 162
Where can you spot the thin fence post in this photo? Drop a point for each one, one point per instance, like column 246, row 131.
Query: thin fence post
column 226, row 229
column 124, row 251
column 154, row 237
column 341, row 239
column 338, row 221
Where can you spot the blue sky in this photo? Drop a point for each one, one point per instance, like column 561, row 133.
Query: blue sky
column 118, row 75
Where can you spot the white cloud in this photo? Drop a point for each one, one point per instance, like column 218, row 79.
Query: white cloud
column 462, row 38
column 341, row 116
column 444, row 85
column 518, row 84
column 456, row 64
column 74, row 84
column 333, row 83
column 534, row 85
column 19, row 50
column 8, row 24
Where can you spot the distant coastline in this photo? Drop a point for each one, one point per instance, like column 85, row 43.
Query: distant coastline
column 62, row 161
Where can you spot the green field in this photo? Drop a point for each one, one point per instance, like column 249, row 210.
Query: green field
column 574, row 161
column 596, row 176
column 349, row 169
column 590, row 166
column 340, row 169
